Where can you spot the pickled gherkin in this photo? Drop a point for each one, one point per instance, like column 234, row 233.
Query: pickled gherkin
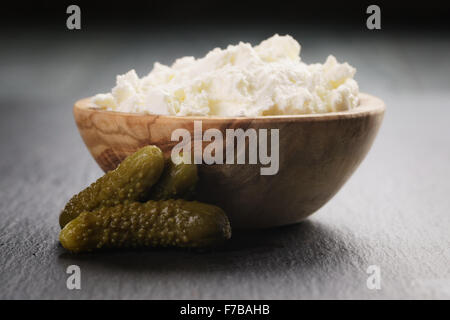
column 177, row 181
column 130, row 181
column 177, row 223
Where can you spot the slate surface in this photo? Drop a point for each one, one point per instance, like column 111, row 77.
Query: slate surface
column 393, row 212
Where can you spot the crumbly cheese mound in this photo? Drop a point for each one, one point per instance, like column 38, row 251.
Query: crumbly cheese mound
column 241, row 80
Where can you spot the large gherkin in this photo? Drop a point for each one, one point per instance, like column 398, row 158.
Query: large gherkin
column 177, row 223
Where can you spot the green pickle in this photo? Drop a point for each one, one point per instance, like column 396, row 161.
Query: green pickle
column 130, row 181
column 177, row 181
column 178, row 223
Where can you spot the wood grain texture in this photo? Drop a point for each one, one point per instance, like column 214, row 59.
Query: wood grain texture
column 317, row 154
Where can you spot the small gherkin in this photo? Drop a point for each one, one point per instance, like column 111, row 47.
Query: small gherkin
column 130, row 181
column 177, row 181
column 178, row 223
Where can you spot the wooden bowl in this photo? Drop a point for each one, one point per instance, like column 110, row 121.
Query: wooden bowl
column 317, row 154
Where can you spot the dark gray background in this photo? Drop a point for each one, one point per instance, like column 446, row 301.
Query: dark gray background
column 393, row 212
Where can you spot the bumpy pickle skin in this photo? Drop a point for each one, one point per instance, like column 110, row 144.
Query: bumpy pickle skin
column 177, row 181
column 177, row 223
column 131, row 180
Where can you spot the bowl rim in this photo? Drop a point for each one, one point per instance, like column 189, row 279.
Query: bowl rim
column 369, row 105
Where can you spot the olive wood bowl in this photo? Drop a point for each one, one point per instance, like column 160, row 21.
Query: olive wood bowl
column 317, row 154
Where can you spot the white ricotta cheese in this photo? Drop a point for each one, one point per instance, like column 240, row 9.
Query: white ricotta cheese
column 241, row 80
